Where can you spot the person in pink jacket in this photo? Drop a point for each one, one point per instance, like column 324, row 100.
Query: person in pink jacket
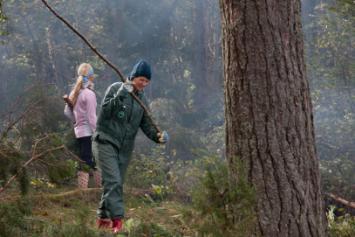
column 83, row 100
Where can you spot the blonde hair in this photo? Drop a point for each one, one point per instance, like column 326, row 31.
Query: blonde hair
column 83, row 71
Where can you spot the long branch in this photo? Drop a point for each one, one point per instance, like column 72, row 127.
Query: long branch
column 85, row 40
column 36, row 144
column 73, row 155
column 146, row 110
column 341, row 200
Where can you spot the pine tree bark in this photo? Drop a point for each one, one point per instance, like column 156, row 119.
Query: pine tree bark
column 268, row 113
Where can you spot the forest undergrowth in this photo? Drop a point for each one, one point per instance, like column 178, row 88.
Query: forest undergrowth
column 188, row 199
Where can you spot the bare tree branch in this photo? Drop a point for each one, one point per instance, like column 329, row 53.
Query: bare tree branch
column 33, row 158
column 73, row 155
column 146, row 110
column 341, row 200
column 34, row 147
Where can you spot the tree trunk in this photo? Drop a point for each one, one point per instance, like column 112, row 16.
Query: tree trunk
column 268, row 112
column 200, row 54
column 51, row 56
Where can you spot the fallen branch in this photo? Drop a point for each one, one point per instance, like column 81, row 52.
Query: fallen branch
column 146, row 110
column 33, row 158
column 72, row 193
column 76, row 193
column 341, row 200
column 85, row 40
column 73, row 155
column 34, row 147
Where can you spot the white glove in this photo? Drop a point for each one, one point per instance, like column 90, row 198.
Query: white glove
column 163, row 137
column 128, row 86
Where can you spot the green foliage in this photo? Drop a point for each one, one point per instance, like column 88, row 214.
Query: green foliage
column 145, row 171
column 330, row 61
column 23, row 181
column 344, row 7
column 224, row 210
column 338, row 176
column 3, row 19
column 33, row 137
column 343, row 226
column 13, row 218
column 81, row 228
column 54, row 165
column 17, row 219
column 138, row 228
column 168, row 178
column 45, row 117
column 62, row 171
column 10, row 164
column 2, row 16
column 48, row 53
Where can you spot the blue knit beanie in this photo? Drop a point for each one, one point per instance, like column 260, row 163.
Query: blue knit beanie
column 141, row 69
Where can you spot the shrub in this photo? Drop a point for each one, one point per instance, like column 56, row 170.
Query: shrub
column 223, row 210
column 81, row 228
column 138, row 228
column 12, row 218
column 343, row 226
column 144, row 171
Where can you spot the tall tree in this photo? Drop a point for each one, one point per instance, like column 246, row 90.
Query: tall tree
column 200, row 54
column 268, row 112
column 206, row 51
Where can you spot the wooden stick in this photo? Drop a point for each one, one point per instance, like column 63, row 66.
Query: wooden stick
column 74, row 156
column 146, row 110
column 341, row 200
column 85, row 40
column 68, row 101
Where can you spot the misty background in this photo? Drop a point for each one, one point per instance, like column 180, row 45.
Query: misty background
column 181, row 39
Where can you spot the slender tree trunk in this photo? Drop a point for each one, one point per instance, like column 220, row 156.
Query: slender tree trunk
column 200, row 55
column 268, row 111
column 206, row 54
column 51, row 56
column 213, row 51
column 37, row 55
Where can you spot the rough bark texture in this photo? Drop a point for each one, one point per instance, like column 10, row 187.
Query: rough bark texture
column 268, row 113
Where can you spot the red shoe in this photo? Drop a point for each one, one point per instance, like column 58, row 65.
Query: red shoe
column 116, row 225
column 103, row 223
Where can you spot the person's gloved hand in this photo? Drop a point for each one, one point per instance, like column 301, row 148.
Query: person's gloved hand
column 128, row 86
column 163, row 137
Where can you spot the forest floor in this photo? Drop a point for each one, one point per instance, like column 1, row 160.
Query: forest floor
column 67, row 211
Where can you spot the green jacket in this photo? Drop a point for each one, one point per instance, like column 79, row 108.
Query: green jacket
column 120, row 118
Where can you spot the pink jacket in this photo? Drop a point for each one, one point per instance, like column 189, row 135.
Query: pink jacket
column 85, row 113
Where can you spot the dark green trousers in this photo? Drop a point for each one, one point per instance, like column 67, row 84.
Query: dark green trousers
column 113, row 164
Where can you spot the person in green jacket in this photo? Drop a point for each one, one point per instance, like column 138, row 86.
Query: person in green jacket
column 117, row 126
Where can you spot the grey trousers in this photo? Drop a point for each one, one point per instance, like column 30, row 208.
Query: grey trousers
column 113, row 166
